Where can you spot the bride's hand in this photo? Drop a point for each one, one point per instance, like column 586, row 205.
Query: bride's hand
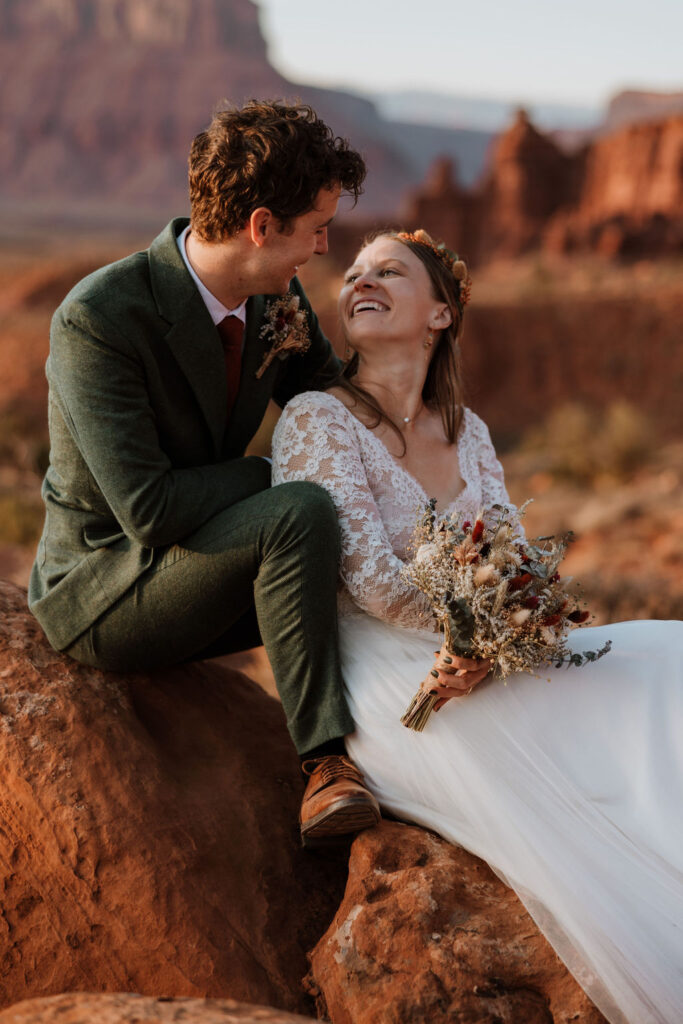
column 454, row 677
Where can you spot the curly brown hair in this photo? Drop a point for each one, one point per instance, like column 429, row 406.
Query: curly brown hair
column 267, row 154
column 443, row 388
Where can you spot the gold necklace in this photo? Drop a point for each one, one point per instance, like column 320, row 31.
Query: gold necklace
column 406, row 419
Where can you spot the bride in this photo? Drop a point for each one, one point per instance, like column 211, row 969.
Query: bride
column 572, row 788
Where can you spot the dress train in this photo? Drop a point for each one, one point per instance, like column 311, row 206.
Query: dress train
column 568, row 785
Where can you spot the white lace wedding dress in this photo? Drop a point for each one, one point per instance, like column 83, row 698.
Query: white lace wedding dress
column 570, row 785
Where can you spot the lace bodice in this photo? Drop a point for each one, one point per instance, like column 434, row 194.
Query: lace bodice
column 318, row 439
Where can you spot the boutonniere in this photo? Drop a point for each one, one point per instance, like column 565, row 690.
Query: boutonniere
column 287, row 326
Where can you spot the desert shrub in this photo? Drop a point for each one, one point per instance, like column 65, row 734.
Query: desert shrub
column 578, row 444
column 627, row 438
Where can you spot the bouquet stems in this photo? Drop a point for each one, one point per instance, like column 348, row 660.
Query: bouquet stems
column 456, row 627
column 419, row 710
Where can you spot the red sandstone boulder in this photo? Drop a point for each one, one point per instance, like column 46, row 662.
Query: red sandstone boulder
column 148, row 844
column 148, row 832
column 125, row 1008
column 427, row 933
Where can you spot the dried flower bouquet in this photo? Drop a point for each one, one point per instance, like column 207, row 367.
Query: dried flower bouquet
column 495, row 595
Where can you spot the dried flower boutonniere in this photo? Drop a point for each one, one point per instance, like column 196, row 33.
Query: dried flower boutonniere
column 286, row 323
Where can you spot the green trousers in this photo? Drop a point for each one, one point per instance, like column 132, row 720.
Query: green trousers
column 262, row 571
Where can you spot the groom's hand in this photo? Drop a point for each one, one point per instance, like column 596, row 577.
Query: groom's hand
column 452, row 676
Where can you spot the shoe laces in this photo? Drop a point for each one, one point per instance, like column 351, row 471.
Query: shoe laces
column 332, row 767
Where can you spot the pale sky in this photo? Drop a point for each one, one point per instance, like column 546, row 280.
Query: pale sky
column 579, row 52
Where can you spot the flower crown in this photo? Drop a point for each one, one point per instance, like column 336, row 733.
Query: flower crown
column 451, row 260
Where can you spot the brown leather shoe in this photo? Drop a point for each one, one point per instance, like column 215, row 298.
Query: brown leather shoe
column 336, row 803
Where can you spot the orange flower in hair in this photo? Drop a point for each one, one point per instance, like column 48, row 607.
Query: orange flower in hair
column 450, row 260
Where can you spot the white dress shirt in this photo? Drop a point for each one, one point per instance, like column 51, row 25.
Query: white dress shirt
column 217, row 310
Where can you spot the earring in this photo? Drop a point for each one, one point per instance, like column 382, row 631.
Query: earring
column 348, row 352
column 429, row 341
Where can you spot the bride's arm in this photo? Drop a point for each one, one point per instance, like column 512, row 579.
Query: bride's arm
column 457, row 677
column 314, row 440
column 491, row 476
column 492, row 479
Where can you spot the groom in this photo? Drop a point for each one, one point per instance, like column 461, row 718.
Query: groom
column 163, row 542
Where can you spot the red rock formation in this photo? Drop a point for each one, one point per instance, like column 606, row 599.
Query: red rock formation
column 633, row 105
column 630, row 194
column 529, row 181
column 149, row 839
column 100, row 101
column 103, row 99
column 76, row 1008
column 444, row 209
column 522, row 358
column 167, row 22
column 428, row 933
column 621, row 195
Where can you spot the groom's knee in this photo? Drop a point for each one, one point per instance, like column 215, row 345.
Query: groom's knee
column 310, row 513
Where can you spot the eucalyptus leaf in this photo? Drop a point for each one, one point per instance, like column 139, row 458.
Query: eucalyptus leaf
column 537, row 569
column 459, row 627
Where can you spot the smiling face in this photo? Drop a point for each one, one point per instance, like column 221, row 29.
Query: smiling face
column 283, row 252
column 387, row 294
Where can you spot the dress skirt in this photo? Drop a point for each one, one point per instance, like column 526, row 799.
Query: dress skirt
column 569, row 785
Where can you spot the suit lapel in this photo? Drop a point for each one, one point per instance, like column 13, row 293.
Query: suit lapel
column 194, row 341
column 196, row 347
column 192, row 336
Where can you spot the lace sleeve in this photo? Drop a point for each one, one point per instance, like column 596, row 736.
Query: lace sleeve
column 491, row 476
column 315, row 440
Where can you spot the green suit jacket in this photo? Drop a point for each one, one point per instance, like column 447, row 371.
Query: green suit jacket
column 140, row 453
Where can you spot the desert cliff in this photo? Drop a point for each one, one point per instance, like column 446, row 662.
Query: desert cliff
column 620, row 195
column 101, row 99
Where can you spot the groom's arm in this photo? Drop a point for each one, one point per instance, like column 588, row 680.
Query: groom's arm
column 99, row 382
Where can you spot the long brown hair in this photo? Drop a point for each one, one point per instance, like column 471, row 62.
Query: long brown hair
column 442, row 388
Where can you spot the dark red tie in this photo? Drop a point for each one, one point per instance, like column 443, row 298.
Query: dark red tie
column 231, row 330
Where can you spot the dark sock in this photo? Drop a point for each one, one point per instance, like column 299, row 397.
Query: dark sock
column 335, row 746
